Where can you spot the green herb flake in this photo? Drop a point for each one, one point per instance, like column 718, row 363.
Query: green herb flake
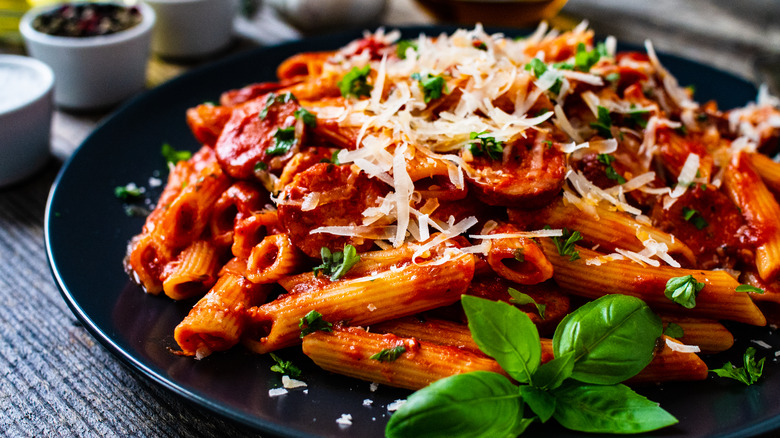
column 261, row 166
column 273, row 99
column 584, row 59
column 521, row 298
column 613, row 77
column 603, row 125
column 337, row 264
column 403, row 46
column 309, row 119
column 609, row 170
column 479, row 45
column 284, row 140
column 674, row 331
column 749, row 288
column 694, row 217
column 128, row 191
column 748, row 374
column 519, row 254
column 313, row 322
column 431, row 86
column 565, row 244
column 537, row 67
column 285, row 367
column 638, row 117
column 483, row 143
column 355, row 83
column 172, row 156
column 683, row 290
column 389, row 354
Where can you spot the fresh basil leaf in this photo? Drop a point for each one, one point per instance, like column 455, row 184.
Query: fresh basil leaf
column 613, row 338
column 520, row 298
column 389, row 354
column 683, row 290
column 285, row 367
column 313, row 322
column 748, row 374
column 506, row 334
column 674, row 331
column 539, row 400
column 749, row 288
column 608, row 409
column 475, row 404
column 552, row 374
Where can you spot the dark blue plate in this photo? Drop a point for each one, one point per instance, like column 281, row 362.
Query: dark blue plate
column 87, row 231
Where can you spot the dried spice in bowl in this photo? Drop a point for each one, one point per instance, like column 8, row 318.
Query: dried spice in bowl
column 87, row 19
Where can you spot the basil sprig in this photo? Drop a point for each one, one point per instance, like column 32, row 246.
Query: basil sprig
column 596, row 346
column 748, row 374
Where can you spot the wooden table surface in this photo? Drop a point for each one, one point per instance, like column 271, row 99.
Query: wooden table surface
column 58, row 381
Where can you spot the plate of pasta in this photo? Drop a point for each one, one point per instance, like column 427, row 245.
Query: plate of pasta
column 438, row 231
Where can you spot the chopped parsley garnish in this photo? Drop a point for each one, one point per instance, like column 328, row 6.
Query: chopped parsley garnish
column 337, row 264
column 683, row 290
column 748, row 374
column 603, row 125
column 613, row 77
column 694, row 217
column 260, row 166
column 355, row 83
column 610, row 171
column 285, row 367
column 520, row 254
column 334, row 158
column 172, row 156
column 272, row 99
column 431, row 86
column 674, row 331
column 313, row 322
column 520, row 298
column 403, row 46
column 482, row 143
column 309, row 119
column 638, row 117
column 128, row 191
column 284, row 140
column 538, row 68
column 389, row 354
column 584, row 59
column 749, row 288
column 565, row 244
column 479, row 44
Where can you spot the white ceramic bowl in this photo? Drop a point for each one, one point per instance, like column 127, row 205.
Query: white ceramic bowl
column 192, row 28
column 25, row 116
column 93, row 72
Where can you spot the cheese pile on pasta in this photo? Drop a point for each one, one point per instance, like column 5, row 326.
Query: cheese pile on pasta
column 368, row 188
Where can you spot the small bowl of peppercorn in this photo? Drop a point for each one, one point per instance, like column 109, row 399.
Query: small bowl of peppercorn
column 98, row 51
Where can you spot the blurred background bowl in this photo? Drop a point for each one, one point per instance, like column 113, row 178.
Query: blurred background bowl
column 508, row 13
column 25, row 116
column 92, row 72
column 192, row 28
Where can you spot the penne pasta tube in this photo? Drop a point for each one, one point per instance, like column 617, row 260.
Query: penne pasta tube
column 671, row 365
column 710, row 336
column 251, row 230
column 217, row 322
column 760, row 210
column 193, row 272
column 608, row 229
column 768, row 169
column 717, row 300
column 518, row 259
column 363, row 300
column 145, row 262
column 348, row 351
column 272, row 259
